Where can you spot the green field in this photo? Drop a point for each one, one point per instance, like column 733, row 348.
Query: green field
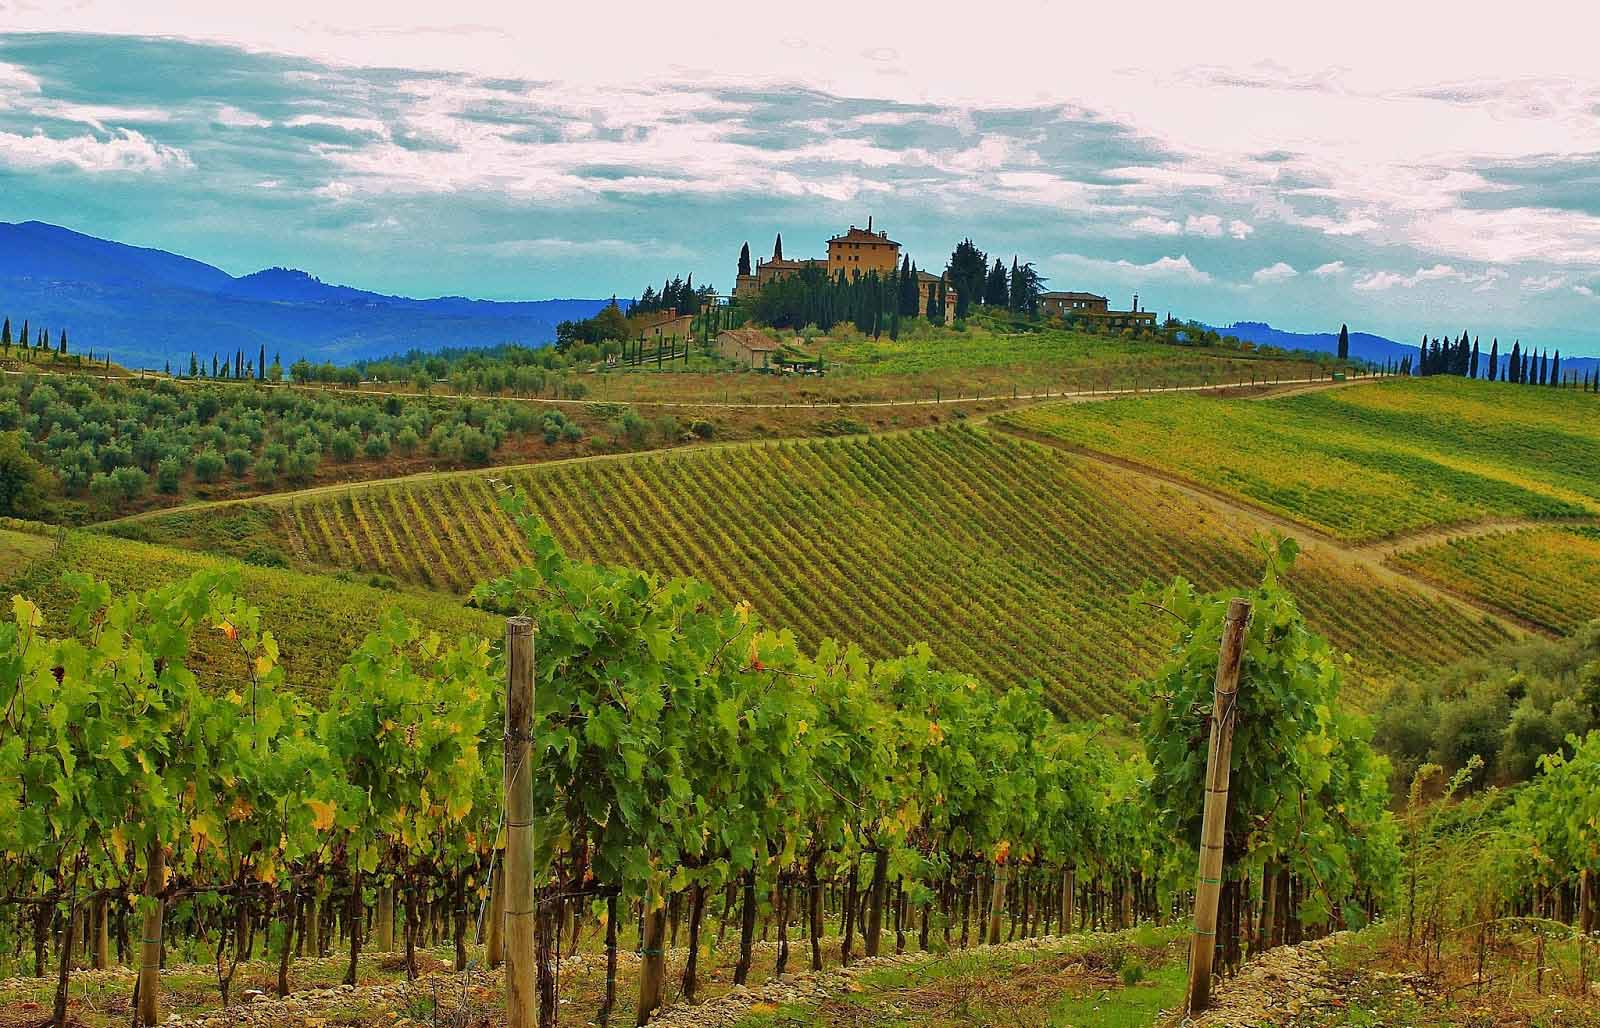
column 1013, row 560
column 318, row 618
column 1549, row 577
column 990, row 357
column 1366, row 462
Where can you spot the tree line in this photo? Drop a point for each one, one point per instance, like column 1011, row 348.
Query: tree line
column 1444, row 356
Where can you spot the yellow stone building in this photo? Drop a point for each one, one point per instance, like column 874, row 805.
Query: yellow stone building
column 860, row 251
column 855, row 252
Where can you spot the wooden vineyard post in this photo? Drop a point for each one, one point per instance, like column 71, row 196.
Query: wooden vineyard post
column 1208, row 886
column 155, row 882
column 521, row 905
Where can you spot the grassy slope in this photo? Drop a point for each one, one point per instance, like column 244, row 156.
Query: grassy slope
column 318, row 619
column 1363, row 463
column 1549, row 576
column 1013, row 560
column 987, row 357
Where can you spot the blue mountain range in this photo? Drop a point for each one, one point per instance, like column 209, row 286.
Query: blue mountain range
column 145, row 307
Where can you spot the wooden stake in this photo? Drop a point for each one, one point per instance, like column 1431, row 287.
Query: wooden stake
column 155, row 881
column 1213, row 830
column 521, row 904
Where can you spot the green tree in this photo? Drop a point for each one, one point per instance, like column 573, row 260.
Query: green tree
column 966, row 272
column 744, row 259
column 24, row 482
column 995, row 293
column 1344, row 342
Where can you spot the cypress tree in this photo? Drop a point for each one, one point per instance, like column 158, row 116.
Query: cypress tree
column 1344, row 342
column 44, row 339
column 1494, row 359
column 994, row 287
column 1555, row 369
column 1514, row 369
column 23, row 342
column 1473, row 371
column 1015, row 299
column 1422, row 356
column 744, row 259
column 5, row 334
column 61, row 345
column 908, row 289
column 777, row 248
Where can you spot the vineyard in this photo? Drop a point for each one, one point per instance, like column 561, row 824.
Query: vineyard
column 319, row 619
column 695, row 774
column 1547, row 576
column 1014, row 560
column 1361, row 464
column 685, row 758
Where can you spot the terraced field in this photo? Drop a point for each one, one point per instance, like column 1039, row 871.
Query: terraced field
column 1362, row 463
column 1547, row 576
column 1013, row 560
column 318, row 619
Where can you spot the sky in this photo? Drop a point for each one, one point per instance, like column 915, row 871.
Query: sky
column 1401, row 167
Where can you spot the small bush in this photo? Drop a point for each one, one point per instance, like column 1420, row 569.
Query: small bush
column 208, row 465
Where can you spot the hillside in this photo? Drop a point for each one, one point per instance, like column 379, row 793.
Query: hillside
column 131, row 301
column 1013, row 560
column 1361, row 464
column 318, row 618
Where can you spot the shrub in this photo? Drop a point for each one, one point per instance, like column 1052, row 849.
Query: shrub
column 131, row 482
column 208, row 465
column 406, row 441
column 238, row 462
column 377, row 445
column 169, row 473
column 266, row 472
column 342, row 446
column 702, row 428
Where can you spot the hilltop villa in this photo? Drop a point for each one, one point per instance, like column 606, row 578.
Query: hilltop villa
column 858, row 251
column 1094, row 308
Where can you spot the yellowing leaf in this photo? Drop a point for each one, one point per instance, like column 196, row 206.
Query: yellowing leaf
column 321, row 814
column 119, row 845
column 227, row 629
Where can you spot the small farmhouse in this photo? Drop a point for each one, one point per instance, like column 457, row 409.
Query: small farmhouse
column 748, row 346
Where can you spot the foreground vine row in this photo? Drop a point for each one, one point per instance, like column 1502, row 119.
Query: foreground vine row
column 689, row 759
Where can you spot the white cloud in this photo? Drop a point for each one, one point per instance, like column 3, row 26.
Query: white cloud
column 1150, row 225
column 1171, row 269
column 1279, row 272
column 1329, row 270
column 1240, row 229
column 125, row 151
column 371, row 126
column 1583, row 290
column 1380, row 281
column 336, row 191
column 1543, row 283
column 233, row 117
column 1209, row 225
column 551, row 246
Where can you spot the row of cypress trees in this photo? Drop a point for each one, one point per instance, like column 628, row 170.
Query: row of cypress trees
column 1520, row 367
column 41, row 340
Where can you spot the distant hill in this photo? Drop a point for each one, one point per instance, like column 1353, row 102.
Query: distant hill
column 145, row 306
column 1366, row 346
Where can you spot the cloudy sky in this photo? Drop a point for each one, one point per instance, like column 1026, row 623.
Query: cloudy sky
column 1405, row 167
